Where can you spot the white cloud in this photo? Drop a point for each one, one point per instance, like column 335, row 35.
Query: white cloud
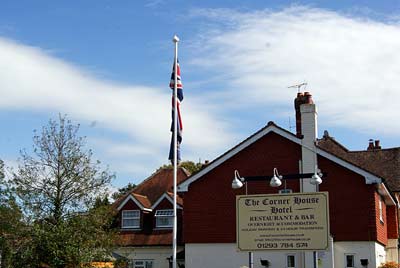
column 33, row 80
column 249, row 58
column 350, row 63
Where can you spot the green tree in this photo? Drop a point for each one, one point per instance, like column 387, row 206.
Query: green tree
column 122, row 191
column 190, row 166
column 11, row 225
column 58, row 184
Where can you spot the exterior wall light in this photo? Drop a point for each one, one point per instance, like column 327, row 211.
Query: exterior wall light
column 237, row 181
column 316, row 178
column 276, row 179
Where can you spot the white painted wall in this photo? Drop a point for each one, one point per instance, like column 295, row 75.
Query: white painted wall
column 380, row 254
column 227, row 256
column 374, row 252
column 159, row 255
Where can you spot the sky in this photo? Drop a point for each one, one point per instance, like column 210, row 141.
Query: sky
column 107, row 65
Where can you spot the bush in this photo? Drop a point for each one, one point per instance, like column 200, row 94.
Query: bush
column 390, row 264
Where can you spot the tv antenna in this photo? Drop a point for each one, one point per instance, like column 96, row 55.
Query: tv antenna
column 298, row 86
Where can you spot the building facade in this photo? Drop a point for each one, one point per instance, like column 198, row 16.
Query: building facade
column 145, row 222
column 363, row 204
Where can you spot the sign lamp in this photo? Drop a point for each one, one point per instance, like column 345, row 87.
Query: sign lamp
column 276, row 179
column 316, row 178
column 237, row 181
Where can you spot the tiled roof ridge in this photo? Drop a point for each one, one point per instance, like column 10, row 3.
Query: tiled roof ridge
column 332, row 139
column 145, row 196
column 376, row 150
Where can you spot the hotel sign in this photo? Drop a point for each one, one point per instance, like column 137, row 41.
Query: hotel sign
column 297, row 221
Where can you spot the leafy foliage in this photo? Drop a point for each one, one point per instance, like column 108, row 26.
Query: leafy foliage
column 61, row 177
column 62, row 191
column 190, row 166
column 123, row 190
column 390, row 264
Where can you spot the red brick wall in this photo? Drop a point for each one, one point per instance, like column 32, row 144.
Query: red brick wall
column 209, row 214
column 392, row 222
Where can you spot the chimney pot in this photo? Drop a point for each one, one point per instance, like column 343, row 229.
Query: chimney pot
column 377, row 146
column 370, row 144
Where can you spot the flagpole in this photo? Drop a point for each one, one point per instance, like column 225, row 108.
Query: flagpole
column 175, row 227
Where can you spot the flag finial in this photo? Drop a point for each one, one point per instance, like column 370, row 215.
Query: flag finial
column 175, row 39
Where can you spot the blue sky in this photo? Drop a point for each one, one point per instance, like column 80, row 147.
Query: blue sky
column 106, row 64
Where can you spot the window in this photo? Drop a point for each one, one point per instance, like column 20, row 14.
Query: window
column 349, row 259
column 130, row 219
column 285, row 191
column 380, row 209
column 142, row 264
column 164, row 218
column 290, row 261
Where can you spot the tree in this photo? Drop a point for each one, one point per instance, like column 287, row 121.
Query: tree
column 190, row 166
column 122, row 191
column 11, row 225
column 58, row 184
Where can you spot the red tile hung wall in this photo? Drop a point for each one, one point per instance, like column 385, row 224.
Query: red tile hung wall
column 351, row 203
column 381, row 225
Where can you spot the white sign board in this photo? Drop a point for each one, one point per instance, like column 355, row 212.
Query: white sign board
column 298, row 221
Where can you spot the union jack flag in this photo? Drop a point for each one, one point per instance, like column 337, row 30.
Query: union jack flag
column 179, row 88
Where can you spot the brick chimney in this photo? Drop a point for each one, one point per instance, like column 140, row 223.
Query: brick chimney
column 307, row 131
column 373, row 145
column 377, row 145
column 370, row 144
column 302, row 98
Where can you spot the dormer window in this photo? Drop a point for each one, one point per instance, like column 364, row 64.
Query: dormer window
column 131, row 219
column 164, row 218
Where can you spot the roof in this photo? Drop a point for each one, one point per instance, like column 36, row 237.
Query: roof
column 160, row 182
column 156, row 238
column 382, row 162
column 151, row 189
column 147, row 195
column 369, row 176
column 142, row 199
column 170, row 197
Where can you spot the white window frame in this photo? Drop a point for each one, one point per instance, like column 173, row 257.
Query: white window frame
column 287, row 260
column 345, row 260
column 142, row 263
column 162, row 214
column 380, row 209
column 136, row 217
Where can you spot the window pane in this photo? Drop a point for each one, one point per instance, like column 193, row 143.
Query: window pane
column 291, row 261
column 349, row 261
column 166, row 212
column 130, row 223
column 164, row 222
column 143, row 264
column 130, row 213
